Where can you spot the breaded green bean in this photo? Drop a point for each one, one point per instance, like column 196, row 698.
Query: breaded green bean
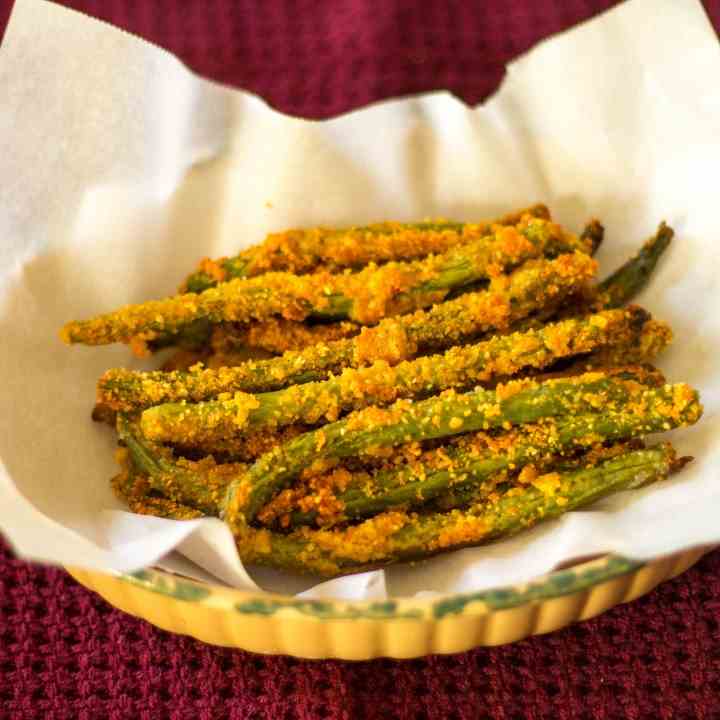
column 475, row 461
column 172, row 478
column 302, row 251
column 594, row 233
column 246, row 447
column 365, row 297
column 535, row 284
column 449, row 414
column 198, row 484
column 382, row 384
column 396, row 536
column 278, row 335
column 135, row 490
column 654, row 337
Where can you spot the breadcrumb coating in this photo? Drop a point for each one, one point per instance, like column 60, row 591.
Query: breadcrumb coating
column 362, row 396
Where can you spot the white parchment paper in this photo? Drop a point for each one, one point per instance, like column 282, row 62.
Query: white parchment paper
column 119, row 169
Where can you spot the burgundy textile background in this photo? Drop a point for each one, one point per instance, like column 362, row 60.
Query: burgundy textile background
column 65, row 653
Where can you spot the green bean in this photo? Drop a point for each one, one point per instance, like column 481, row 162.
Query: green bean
column 365, row 297
column 533, row 285
column 381, row 384
column 395, row 536
column 446, row 415
column 302, row 251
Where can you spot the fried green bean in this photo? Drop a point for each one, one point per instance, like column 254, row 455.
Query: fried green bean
column 136, row 491
column 201, row 484
column 302, row 251
column 652, row 339
column 274, row 336
column 395, row 536
column 475, row 461
column 535, row 284
column 446, row 415
column 278, row 335
column 467, row 495
column 631, row 277
column 209, row 479
column 382, row 384
column 245, row 447
column 365, row 297
column 619, row 288
column 594, row 233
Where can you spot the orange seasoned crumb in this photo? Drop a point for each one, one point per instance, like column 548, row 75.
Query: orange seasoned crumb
column 325, row 503
column 237, row 499
column 460, row 528
column 513, row 243
column 506, row 390
column 316, row 492
column 528, row 475
column 253, row 542
column 388, row 341
column 365, row 542
column 279, row 507
column 278, row 335
column 139, row 345
column 213, row 268
column 122, row 456
column 547, row 484
column 247, row 446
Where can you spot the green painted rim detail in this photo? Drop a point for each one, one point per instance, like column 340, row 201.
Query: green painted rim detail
column 166, row 584
column 557, row 584
column 329, row 610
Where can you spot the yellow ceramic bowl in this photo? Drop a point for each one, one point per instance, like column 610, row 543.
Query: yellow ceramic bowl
column 401, row 628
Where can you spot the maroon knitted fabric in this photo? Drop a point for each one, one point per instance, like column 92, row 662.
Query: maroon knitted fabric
column 65, row 653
